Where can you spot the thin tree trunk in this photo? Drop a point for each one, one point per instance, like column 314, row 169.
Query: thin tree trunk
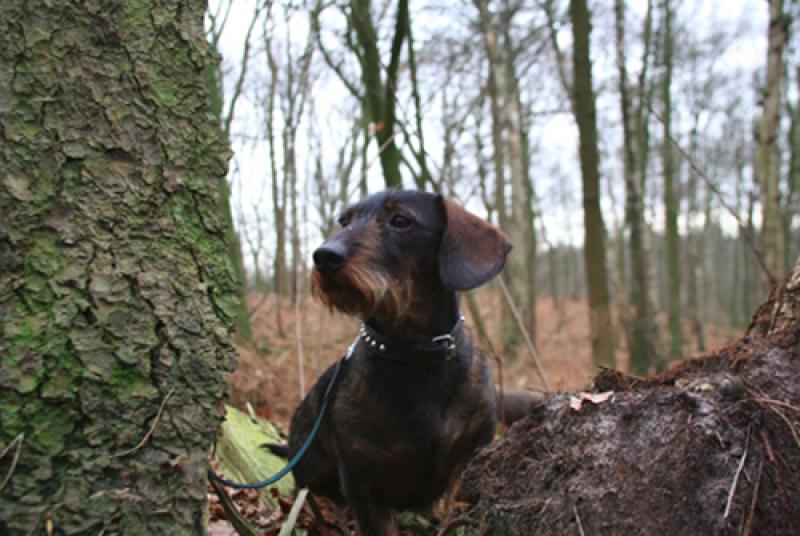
column 749, row 288
column 380, row 96
column 792, row 205
column 768, row 169
column 641, row 330
column 117, row 299
column 695, row 245
column 280, row 286
column 532, row 241
column 495, row 93
column 214, row 84
column 602, row 325
column 522, row 259
column 671, row 202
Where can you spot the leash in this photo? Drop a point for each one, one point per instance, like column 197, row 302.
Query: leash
column 445, row 345
column 212, row 475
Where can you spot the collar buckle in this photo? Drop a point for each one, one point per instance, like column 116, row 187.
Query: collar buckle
column 450, row 342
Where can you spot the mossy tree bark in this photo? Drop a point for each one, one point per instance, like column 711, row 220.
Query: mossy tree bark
column 117, row 294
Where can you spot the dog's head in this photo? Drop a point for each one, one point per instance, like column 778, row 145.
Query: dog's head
column 397, row 250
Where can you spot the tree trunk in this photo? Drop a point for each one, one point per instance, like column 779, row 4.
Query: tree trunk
column 117, row 295
column 641, row 330
column 279, row 269
column 214, row 84
column 522, row 260
column 768, row 168
column 495, row 92
column 602, row 325
column 380, row 96
column 695, row 249
column 532, row 241
column 792, row 205
column 671, row 203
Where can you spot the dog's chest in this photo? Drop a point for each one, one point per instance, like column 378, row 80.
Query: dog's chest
column 409, row 417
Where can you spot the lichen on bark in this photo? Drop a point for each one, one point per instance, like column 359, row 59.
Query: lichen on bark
column 116, row 292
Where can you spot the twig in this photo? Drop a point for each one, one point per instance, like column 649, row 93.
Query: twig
column 151, row 430
column 17, row 441
column 773, row 402
column 788, row 423
column 531, row 349
column 748, row 525
column 578, row 519
column 732, row 491
column 751, row 240
column 232, row 514
column 382, row 147
column 287, row 527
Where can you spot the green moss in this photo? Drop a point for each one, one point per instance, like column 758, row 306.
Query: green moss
column 60, row 382
column 242, row 456
column 136, row 16
column 48, row 426
column 130, row 381
column 11, row 421
column 45, row 256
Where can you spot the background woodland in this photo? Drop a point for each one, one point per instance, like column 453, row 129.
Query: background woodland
column 644, row 158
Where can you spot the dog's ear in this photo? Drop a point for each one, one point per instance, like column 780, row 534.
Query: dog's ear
column 472, row 250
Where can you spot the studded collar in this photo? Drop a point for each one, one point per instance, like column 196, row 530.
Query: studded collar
column 439, row 348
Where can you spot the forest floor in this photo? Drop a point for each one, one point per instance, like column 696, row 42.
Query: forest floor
column 269, row 379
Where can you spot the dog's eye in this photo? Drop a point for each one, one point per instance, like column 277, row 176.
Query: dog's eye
column 344, row 220
column 400, row 221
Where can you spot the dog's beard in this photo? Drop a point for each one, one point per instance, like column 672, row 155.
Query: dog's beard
column 363, row 291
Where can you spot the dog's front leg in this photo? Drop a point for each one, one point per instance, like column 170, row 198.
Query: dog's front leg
column 372, row 517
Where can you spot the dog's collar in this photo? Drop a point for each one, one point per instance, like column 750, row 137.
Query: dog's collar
column 439, row 348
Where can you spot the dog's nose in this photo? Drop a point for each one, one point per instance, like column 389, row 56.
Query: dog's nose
column 330, row 257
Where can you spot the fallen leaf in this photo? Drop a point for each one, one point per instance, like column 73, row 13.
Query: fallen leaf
column 576, row 401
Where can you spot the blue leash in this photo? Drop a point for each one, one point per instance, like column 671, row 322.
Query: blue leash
column 303, row 448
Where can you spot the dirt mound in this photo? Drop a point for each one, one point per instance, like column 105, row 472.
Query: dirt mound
column 712, row 447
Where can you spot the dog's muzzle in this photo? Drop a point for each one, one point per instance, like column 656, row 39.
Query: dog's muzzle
column 330, row 257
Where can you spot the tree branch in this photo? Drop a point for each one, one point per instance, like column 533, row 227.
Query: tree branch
column 237, row 91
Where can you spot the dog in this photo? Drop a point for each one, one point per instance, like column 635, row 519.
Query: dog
column 414, row 399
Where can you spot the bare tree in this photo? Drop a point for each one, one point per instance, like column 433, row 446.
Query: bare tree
column 641, row 329
column 594, row 250
column 671, row 190
column 767, row 138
